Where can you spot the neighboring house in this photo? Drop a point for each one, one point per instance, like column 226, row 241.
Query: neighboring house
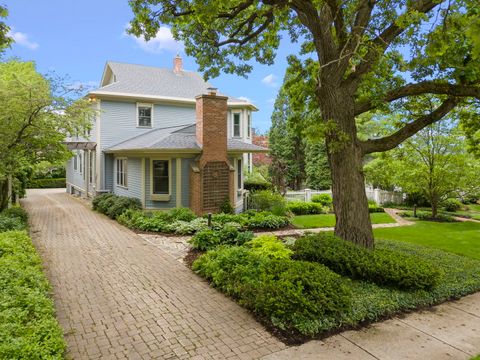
column 166, row 137
column 259, row 159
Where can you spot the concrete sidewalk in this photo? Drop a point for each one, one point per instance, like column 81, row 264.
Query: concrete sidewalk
column 448, row 331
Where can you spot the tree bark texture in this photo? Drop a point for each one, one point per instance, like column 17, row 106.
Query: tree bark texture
column 345, row 156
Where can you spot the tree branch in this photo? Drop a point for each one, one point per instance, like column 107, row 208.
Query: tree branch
column 389, row 142
column 424, row 87
column 385, row 38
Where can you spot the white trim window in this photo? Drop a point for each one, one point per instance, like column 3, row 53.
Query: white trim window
column 91, row 169
column 122, row 172
column 75, row 162
column 239, row 174
column 249, row 125
column 161, row 177
column 144, row 115
column 236, row 124
column 80, row 162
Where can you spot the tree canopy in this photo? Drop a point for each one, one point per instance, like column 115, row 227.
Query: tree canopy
column 36, row 116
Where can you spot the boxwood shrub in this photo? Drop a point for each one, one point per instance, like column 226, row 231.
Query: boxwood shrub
column 381, row 266
column 113, row 205
column 306, row 208
column 28, row 328
column 47, row 183
column 289, row 294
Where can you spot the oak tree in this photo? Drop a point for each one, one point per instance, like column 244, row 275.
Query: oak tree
column 360, row 55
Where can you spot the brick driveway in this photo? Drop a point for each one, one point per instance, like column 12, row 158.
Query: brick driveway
column 118, row 297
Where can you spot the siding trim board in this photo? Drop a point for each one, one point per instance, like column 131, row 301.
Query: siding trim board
column 178, row 184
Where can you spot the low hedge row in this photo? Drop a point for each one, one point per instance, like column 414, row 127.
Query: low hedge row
column 47, row 183
column 289, row 294
column 14, row 218
column 307, row 208
column 28, row 328
column 427, row 216
column 380, row 266
column 113, row 205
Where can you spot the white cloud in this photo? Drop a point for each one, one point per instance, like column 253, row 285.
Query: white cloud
column 270, row 80
column 162, row 41
column 271, row 100
column 244, row 98
column 22, row 39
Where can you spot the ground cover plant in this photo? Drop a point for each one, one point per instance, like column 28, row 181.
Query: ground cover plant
column 328, row 220
column 407, row 277
column 28, row 328
column 14, row 218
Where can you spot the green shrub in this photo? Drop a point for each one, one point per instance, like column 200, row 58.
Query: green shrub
column 229, row 218
column 323, row 199
column 427, row 216
column 28, row 328
column 266, row 200
column 257, row 185
column 183, row 214
column 269, row 246
column 290, row 294
column 113, row 206
column 145, row 221
column 187, row 227
column 452, row 205
column 265, row 220
column 9, row 223
column 226, row 207
column 382, row 267
column 373, row 207
column 243, row 237
column 206, row 239
column 16, row 212
column 306, row 208
column 47, row 183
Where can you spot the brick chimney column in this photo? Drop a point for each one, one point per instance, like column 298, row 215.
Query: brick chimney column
column 177, row 64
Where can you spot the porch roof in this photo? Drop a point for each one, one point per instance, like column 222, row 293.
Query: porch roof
column 178, row 138
column 81, row 145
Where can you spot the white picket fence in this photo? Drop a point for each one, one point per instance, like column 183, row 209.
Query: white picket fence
column 379, row 196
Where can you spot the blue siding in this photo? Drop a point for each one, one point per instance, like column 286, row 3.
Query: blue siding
column 149, row 203
column 134, row 179
column 109, row 172
column 74, row 177
column 186, row 182
column 119, row 120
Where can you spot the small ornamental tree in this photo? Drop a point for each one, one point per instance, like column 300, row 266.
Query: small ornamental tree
column 357, row 56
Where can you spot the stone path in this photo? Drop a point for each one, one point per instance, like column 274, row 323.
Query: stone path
column 119, row 297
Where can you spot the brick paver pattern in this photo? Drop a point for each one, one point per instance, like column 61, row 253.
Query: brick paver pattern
column 118, row 296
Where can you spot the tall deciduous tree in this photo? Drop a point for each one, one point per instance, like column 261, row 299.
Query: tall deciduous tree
column 357, row 56
column 36, row 115
column 5, row 40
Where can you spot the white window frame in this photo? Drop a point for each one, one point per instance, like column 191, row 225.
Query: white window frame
column 121, row 177
column 249, row 125
column 139, row 105
column 239, row 124
column 75, row 162
column 239, row 166
column 80, row 162
column 161, row 197
column 91, row 164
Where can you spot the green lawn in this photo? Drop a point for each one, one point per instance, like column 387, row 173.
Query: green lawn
column 328, row 220
column 461, row 238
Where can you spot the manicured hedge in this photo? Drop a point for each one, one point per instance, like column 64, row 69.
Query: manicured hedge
column 380, row 266
column 306, row 208
column 47, row 183
column 28, row 328
column 289, row 294
column 113, row 205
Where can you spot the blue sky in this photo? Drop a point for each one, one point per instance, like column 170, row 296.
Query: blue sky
column 75, row 38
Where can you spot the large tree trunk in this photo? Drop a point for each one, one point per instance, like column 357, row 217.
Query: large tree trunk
column 346, row 162
column 4, row 198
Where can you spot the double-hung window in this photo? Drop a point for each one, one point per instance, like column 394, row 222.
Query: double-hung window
column 122, row 172
column 75, row 162
column 236, row 125
column 144, row 115
column 160, row 177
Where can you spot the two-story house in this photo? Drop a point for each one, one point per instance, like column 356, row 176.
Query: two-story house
column 166, row 137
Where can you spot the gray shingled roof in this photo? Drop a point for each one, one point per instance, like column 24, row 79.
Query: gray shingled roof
column 154, row 81
column 176, row 138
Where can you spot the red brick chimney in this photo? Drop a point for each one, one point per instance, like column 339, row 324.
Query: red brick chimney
column 177, row 64
column 211, row 120
column 212, row 175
